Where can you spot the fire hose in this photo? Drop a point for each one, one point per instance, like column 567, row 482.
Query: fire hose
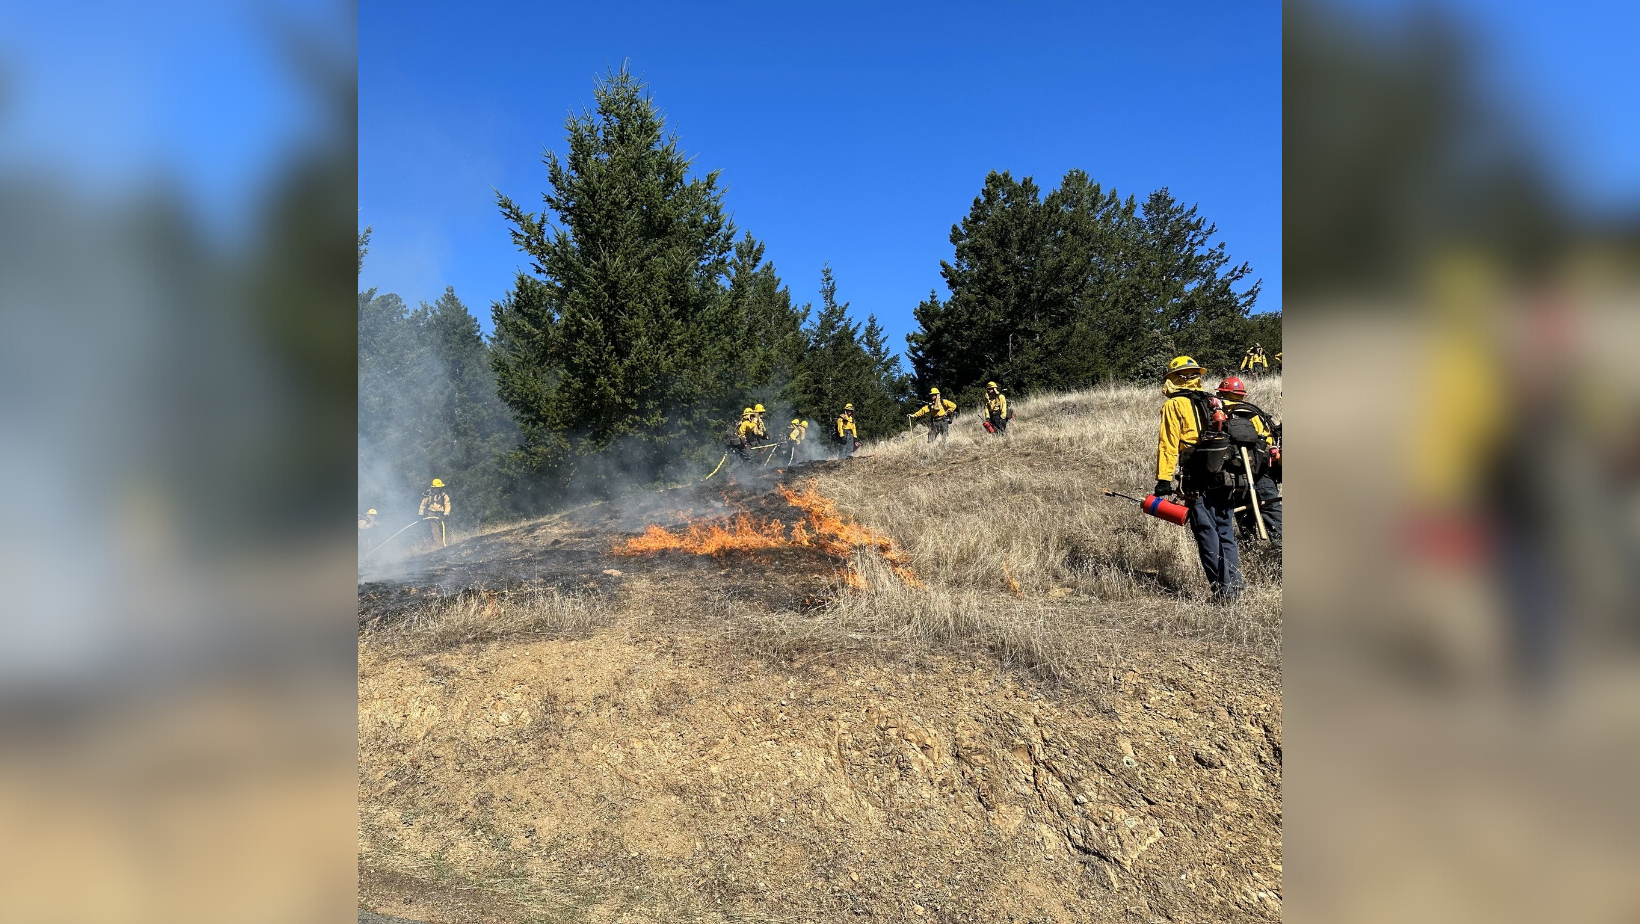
column 391, row 538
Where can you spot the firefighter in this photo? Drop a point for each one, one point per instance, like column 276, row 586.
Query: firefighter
column 366, row 524
column 434, row 509
column 741, row 439
column 942, row 411
column 1212, row 504
column 845, row 435
column 1233, row 392
column 996, row 410
column 762, row 428
column 1253, row 359
column 799, row 429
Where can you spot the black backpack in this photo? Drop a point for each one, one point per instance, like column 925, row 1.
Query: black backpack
column 1216, row 461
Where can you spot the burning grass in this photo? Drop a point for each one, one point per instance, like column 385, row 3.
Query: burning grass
column 820, row 527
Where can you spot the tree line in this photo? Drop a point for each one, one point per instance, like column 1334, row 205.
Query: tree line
column 646, row 321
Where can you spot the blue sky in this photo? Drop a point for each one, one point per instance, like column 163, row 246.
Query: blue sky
column 854, row 133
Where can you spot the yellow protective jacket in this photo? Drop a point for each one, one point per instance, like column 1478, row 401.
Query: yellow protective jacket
column 435, row 503
column 944, row 408
column 797, row 434
column 845, row 427
column 748, row 429
column 762, row 428
column 1179, row 427
column 997, row 405
column 1251, row 359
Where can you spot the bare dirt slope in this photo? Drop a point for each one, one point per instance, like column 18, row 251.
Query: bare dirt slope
column 1042, row 722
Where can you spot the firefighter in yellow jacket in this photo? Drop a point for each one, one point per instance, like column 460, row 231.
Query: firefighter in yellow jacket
column 1233, row 392
column 1212, row 505
column 799, row 429
column 745, row 434
column 940, row 413
column 844, row 434
column 996, row 410
column 762, row 428
column 435, row 507
column 1254, row 358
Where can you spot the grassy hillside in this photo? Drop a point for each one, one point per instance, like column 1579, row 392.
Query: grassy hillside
column 1047, row 722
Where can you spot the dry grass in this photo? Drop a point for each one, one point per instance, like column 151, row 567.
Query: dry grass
column 482, row 617
column 1023, row 555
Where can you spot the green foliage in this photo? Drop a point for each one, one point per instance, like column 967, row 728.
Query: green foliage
column 1077, row 286
column 623, row 355
column 428, row 408
column 844, row 363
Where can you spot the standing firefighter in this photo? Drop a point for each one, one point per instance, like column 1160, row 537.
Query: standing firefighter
column 997, row 414
column 1191, row 443
column 1253, row 359
column 844, row 434
column 762, row 428
column 799, row 429
column 366, row 524
column 1234, row 395
column 435, row 507
column 941, row 411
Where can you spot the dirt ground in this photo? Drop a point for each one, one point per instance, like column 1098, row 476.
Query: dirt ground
column 685, row 748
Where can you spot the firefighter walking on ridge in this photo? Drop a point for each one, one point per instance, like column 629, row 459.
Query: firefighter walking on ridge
column 997, row 414
column 1190, row 443
column 435, row 507
column 941, row 411
column 1233, row 392
column 844, row 434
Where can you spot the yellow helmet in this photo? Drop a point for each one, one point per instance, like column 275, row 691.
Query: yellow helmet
column 805, row 423
column 438, row 482
column 1183, row 364
column 796, row 422
column 746, row 413
column 933, row 391
column 758, row 409
column 991, row 385
column 848, row 407
column 371, row 512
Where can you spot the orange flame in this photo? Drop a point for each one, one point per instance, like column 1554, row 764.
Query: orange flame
column 822, row 527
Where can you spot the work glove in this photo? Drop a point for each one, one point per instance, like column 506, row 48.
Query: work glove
column 1163, row 488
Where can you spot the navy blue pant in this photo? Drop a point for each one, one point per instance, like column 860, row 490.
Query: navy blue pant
column 1213, row 523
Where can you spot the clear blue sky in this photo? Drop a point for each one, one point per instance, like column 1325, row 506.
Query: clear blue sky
column 854, row 133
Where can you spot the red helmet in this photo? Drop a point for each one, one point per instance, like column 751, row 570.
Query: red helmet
column 1232, row 386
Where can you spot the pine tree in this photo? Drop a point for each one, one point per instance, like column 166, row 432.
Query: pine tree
column 632, row 364
column 843, row 365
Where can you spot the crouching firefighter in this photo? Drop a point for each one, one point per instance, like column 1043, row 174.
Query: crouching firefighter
column 1192, row 443
column 940, row 411
column 434, row 509
column 997, row 414
column 844, row 435
column 741, row 437
column 1265, row 457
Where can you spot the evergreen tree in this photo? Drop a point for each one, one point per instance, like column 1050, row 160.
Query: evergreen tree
column 841, row 365
column 634, row 366
column 1063, row 290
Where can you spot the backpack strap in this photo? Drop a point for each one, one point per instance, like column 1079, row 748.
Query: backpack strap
column 1252, row 411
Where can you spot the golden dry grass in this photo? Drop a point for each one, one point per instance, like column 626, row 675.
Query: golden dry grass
column 1022, row 554
column 544, row 612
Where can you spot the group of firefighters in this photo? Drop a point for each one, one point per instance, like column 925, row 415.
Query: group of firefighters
column 1217, row 452
column 431, row 515
column 1221, row 455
